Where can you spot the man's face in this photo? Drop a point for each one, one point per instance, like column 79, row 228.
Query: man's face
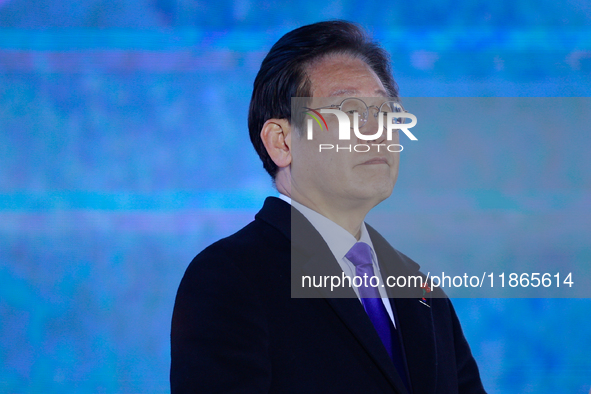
column 343, row 179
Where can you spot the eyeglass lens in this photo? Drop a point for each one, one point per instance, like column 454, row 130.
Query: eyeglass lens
column 353, row 105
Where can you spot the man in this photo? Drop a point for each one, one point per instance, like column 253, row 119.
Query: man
column 236, row 327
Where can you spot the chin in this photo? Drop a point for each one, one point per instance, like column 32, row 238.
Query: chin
column 384, row 195
column 375, row 193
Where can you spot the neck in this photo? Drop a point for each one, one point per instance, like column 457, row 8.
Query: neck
column 348, row 214
column 348, row 217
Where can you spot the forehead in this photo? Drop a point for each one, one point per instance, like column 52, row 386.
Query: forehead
column 344, row 75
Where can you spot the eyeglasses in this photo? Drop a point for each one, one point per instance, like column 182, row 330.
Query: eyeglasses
column 353, row 105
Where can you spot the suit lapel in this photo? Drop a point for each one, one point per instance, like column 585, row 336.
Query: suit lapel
column 418, row 338
column 414, row 319
column 312, row 256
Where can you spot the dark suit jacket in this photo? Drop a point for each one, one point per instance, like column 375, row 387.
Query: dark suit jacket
column 235, row 327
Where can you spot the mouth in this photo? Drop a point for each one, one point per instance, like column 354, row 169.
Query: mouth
column 375, row 160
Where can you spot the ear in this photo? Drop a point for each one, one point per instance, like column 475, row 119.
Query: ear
column 276, row 136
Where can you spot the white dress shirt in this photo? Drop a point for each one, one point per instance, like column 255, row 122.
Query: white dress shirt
column 339, row 242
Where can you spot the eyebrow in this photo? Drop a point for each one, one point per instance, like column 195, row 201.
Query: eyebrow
column 341, row 92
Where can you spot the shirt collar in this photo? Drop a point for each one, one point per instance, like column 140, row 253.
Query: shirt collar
column 285, row 198
column 338, row 239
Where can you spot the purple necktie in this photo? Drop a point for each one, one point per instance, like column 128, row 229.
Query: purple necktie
column 360, row 256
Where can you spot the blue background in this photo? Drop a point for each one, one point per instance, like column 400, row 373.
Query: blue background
column 124, row 151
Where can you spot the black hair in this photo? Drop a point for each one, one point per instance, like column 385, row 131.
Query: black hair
column 283, row 72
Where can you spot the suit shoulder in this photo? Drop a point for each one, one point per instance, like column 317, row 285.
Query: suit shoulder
column 257, row 241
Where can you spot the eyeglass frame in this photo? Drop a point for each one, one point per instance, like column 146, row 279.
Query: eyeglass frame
column 363, row 120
